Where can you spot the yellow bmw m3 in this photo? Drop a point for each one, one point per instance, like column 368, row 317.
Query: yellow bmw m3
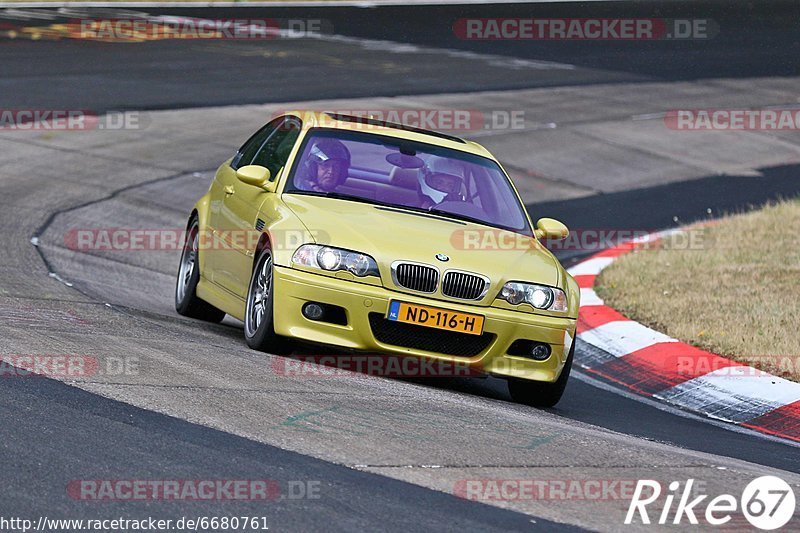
column 379, row 237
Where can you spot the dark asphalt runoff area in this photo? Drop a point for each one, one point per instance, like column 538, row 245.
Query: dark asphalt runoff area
column 754, row 40
column 52, row 433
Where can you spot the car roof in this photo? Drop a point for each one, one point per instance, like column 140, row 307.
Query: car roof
column 322, row 119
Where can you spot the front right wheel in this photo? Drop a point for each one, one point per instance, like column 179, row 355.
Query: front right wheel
column 541, row 394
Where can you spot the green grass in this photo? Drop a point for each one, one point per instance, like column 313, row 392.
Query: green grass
column 737, row 294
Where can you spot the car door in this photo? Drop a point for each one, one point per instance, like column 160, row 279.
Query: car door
column 238, row 228
column 217, row 255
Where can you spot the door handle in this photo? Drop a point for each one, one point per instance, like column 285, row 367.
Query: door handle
column 229, row 190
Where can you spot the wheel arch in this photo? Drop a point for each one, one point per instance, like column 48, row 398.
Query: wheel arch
column 201, row 209
column 264, row 241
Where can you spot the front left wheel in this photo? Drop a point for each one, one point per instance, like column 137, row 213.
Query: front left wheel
column 187, row 303
column 259, row 331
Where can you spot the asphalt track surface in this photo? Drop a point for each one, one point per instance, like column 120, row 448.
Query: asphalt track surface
column 113, row 440
column 52, row 432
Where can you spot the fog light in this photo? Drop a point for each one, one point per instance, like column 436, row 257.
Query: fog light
column 313, row 311
column 540, row 352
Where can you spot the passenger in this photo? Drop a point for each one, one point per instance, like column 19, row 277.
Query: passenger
column 326, row 166
column 441, row 181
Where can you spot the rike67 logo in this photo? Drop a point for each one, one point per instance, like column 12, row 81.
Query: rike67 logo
column 767, row 502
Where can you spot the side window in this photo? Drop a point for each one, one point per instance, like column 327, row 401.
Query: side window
column 249, row 149
column 275, row 151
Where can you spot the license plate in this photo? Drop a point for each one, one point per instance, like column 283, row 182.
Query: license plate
column 433, row 317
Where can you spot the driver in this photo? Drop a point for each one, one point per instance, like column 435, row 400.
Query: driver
column 326, row 166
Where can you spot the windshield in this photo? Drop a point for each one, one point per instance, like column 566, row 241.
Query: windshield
column 389, row 171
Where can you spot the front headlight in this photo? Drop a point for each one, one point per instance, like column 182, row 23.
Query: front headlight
column 538, row 296
column 333, row 259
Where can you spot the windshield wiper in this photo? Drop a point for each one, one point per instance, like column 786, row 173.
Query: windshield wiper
column 465, row 218
column 455, row 217
column 340, row 196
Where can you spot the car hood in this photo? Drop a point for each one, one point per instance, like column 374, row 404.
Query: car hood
column 391, row 234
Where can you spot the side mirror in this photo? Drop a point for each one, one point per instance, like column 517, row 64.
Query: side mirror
column 255, row 175
column 550, row 228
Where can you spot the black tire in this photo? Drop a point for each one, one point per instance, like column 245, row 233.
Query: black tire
column 186, row 301
column 259, row 331
column 541, row 394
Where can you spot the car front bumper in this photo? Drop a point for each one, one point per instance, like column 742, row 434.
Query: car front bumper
column 294, row 288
